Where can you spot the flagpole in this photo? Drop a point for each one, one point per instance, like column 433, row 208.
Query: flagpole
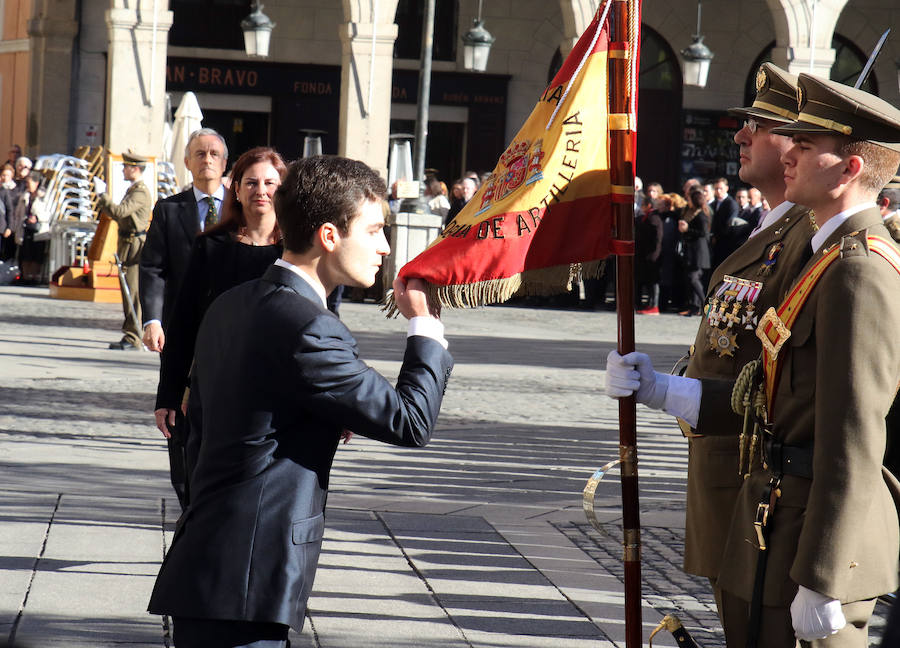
column 622, row 175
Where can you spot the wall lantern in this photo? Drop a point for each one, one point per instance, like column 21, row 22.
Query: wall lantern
column 477, row 45
column 696, row 58
column 257, row 30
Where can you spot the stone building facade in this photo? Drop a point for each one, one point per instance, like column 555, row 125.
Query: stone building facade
column 76, row 72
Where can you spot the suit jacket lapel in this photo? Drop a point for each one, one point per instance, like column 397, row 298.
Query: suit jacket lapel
column 278, row 275
column 189, row 215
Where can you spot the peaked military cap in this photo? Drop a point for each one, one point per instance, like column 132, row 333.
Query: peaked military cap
column 776, row 96
column 831, row 108
column 133, row 159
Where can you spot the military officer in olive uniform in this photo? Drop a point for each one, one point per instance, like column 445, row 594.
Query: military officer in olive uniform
column 741, row 289
column 818, row 498
column 132, row 215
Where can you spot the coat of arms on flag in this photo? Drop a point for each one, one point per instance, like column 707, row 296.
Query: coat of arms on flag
column 543, row 218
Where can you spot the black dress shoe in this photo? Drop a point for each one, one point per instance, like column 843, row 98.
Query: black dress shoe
column 122, row 345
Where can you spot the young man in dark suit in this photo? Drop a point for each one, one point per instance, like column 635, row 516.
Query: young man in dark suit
column 276, row 380
column 164, row 259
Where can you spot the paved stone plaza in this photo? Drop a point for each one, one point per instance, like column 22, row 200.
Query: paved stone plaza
column 478, row 540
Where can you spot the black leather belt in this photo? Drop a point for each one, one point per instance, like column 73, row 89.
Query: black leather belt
column 788, row 460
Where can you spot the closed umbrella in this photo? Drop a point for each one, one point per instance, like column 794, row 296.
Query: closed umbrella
column 187, row 120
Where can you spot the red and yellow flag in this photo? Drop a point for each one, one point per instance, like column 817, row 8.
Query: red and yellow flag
column 544, row 216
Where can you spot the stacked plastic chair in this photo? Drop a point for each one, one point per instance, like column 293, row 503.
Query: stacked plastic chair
column 166, row 183
column 67, row 187
column 70, row 203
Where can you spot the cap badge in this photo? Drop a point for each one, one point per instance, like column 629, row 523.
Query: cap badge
column 762, row 80
column 801, row 97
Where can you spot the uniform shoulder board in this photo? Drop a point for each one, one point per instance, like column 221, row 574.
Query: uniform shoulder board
column 855, row 244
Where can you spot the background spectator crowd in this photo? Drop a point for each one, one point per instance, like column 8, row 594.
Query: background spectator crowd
column 22, row 215
column 679, row 237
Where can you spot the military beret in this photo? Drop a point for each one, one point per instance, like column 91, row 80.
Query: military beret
column 776, row 96
column 828, row 107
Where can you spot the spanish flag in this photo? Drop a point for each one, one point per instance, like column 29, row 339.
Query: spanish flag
column 544, row 216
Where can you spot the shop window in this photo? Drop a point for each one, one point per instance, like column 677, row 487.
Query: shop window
column 208, row 23
column 410, row 14
column 849, row 61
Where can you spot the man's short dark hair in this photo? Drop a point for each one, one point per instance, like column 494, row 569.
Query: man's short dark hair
column 323, row 189
column 893, row 196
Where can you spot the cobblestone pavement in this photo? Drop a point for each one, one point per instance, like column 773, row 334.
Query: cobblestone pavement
column 477, row 540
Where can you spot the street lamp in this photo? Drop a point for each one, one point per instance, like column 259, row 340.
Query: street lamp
column 477, row 45
column 257, row 30
column 696, row 58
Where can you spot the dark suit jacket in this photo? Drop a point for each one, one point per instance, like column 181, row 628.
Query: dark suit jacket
column 277, row 378
column 695, row 243
column 165, row 255
column 217, row 263
column 723, row 221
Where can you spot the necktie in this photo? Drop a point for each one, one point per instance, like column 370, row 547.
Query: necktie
column 212, row 216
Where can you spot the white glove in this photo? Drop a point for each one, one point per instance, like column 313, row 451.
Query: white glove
column 99, row 186
column 815, row 616
column 633, row 374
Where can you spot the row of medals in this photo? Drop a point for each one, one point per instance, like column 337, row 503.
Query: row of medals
column 727, row 315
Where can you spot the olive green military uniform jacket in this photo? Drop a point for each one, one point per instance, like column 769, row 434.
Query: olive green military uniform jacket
column 837, row 533
column 132, row 215
column 773, row 257
column 892, row 223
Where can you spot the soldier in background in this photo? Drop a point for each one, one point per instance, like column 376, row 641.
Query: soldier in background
column 889, row 204
column 132, row 215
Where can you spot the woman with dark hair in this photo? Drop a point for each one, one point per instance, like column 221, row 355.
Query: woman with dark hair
column 648, row 235
column 244, row 243
column 694, row 228
column 28, row 218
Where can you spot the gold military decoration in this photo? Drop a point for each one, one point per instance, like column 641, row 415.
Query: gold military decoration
column 801, row 97
column 723, row 342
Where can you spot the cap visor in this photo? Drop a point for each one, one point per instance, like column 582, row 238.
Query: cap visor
column 759, row 113
column 793, row 128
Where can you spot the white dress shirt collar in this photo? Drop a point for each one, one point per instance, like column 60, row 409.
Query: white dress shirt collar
column 218, row 194
column 834, row 222
column 315, row 285
column 774, row 214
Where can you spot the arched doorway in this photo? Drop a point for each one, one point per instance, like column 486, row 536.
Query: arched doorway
column 849, row 61
column 659, row 110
